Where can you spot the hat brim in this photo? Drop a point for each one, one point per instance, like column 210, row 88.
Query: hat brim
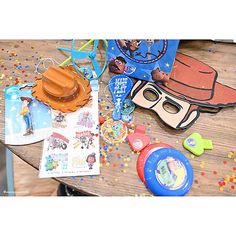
column 80, row 100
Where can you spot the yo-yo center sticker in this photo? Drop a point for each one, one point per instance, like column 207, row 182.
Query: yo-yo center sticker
column 171, row 173
column 191, row 142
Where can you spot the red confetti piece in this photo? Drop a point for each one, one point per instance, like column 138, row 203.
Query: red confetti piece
column 214, row 172
column 225, row 162
column 234, row 168
column 202, row 173
column 232, row 187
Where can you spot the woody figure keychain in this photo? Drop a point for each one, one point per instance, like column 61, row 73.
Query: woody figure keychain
column 25, row 112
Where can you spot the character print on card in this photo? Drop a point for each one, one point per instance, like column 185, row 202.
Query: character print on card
column 85, row 161
column 56, row 162
column 59, row 119
column 91, row 159
column 85, row 119
column 27, row 120
column 57, row 141
column 84, row 140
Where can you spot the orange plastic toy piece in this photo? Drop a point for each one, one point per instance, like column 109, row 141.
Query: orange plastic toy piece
column 62, row 89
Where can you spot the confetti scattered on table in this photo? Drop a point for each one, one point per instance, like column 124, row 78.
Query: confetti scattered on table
column 21, row 68
column 202, row 164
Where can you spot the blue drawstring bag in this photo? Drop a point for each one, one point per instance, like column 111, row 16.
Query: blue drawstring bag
column 148, row 59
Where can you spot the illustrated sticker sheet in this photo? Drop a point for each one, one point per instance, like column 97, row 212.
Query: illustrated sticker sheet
column 73, row 148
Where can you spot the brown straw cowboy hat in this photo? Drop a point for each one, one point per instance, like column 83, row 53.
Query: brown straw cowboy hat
column 62, row 89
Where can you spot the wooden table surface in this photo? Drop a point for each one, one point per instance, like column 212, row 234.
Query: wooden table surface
column 118, row 171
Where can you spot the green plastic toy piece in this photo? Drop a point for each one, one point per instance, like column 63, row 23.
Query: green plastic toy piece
column 196, row 144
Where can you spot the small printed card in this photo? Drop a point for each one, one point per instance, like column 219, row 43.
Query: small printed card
column 26, row 119
column 73, row 147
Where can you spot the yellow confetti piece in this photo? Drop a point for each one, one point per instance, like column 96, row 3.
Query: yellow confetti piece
column 227, row 178
column 221, row 189
column 107, row 164
column 234, row 159
column 128, row 159
column 100, row 164
column 230, row 154
column 202, row 164
column 126, row 165
column 192, row 156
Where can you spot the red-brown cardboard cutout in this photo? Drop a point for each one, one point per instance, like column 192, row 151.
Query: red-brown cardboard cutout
column 192, row 86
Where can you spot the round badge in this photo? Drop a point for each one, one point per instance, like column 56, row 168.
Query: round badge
column 128, row 107
column 168, row 173
column 145, row 154
column 114, row 131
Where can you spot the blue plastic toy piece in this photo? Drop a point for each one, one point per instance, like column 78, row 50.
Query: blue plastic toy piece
column 168, row 173
column 127, row 118
column 120, row 86
column 128, row 108
column 76, row 54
